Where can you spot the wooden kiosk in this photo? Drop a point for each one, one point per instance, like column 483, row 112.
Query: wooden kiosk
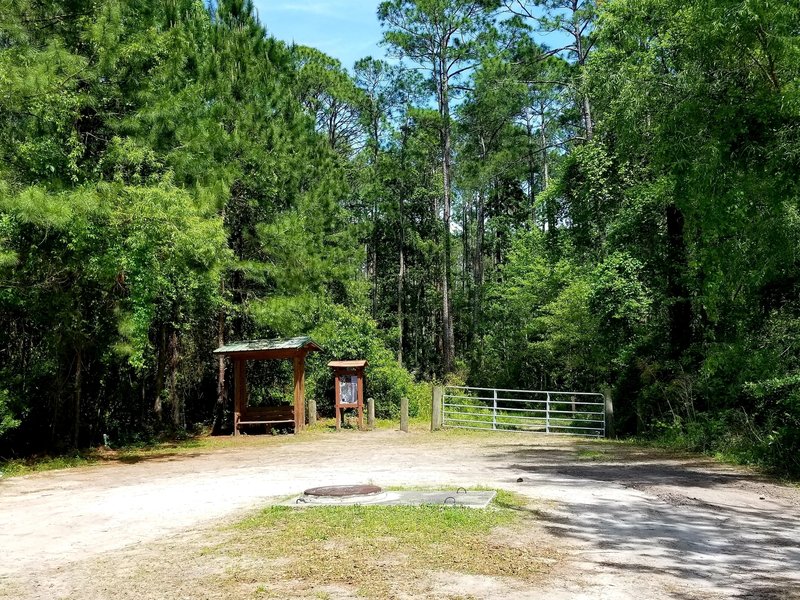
column 294, row 349
column 348, row 385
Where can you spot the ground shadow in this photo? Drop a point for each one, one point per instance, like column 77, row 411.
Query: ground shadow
column 741, row 546
column 132, row 459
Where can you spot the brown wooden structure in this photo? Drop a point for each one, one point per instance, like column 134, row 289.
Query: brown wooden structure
column 294, row 349
column 348, row 384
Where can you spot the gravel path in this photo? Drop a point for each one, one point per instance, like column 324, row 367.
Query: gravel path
column 632, row 522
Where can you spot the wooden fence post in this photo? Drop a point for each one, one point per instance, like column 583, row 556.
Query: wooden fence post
column 370, row 413
column 436, row 408
column 404, row 414
column 610, row 431
column 312, row 412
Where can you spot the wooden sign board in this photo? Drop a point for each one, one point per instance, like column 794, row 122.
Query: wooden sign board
column 348, row 388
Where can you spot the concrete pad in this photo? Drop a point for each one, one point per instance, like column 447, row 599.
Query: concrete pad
column 400, row 498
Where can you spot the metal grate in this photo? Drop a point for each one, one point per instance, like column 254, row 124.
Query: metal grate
column 534, row 411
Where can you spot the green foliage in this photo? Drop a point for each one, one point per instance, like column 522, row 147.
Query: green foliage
column 696, row 106
column 117, row 263
column 8, row 418
column 548, row 335
column 162, row 188
column 345, row 334
column 419, row 400
column 620, row 211
column 421, row 29
column 667, row 263
column 329, row 94
column 170, row 256
column 622, row 304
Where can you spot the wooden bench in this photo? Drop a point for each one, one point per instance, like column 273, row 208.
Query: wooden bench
column 267, row 415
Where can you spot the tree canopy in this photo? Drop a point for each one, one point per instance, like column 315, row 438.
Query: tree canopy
column 528, row 194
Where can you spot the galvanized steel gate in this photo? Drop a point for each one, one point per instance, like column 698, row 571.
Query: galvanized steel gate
column 495, row 409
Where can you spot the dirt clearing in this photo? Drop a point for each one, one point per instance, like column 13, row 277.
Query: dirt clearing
column 606, row 520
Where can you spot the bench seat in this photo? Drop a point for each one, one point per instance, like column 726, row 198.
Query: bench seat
column 267, row 415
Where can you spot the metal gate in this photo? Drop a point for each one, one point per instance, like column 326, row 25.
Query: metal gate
column 495, row 409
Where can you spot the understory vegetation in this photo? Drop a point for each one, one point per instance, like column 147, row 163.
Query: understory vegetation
column 528, row 194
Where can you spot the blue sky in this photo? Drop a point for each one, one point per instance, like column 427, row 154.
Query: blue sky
column 345, row 29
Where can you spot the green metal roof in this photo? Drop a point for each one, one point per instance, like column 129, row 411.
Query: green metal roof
column 295, row 343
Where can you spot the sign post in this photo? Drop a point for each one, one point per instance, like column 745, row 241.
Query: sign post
column 348, row 385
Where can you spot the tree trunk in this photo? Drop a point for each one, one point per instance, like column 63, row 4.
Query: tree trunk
column 174, row 397
column 464, row 248
column 531, row 178
column 448, row 343
column 401, row 271
column 543, row 139
column 478, row 262
column 400, row 292
column 76, row 399
column 550, row 208
column 222, row 396
column 161, row 359
column 375, row 151
column 587, row 117
column 586, row 107
column 374, row 258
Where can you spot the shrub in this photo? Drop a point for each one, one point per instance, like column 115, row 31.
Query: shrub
column 345, row 334
column 7, row 419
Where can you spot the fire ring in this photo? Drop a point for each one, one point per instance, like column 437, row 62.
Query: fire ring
column 342, row 491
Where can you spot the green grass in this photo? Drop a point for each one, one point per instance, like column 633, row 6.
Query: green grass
column 328, row 425
column 18, row 466
column 590, row 455
column 394, row 545
column 414, row 525
column 126, row 454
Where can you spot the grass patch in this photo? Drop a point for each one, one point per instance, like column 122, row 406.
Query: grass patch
column 590, row 455
column 131, row 454
column 20, row 466
column 328, row 424
column 381, row 551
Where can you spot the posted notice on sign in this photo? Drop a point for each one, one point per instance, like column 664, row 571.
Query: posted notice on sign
column 348, row 389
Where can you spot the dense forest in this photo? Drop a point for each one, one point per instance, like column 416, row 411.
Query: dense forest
column 619, row 210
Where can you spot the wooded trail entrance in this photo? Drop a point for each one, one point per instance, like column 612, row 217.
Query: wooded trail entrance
column 533, row 411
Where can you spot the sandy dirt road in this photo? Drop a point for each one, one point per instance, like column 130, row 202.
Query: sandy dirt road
column 631, row 522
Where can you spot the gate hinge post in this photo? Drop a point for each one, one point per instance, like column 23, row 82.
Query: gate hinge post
column 494, row 411
column 547, row 415
column 437, row 410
